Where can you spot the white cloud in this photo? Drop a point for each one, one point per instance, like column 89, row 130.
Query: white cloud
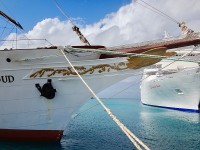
column 131, row 23
column 56, row 31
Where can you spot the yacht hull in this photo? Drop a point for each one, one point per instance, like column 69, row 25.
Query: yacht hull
column 180, row 91
column 26, row 113
column 31, row 135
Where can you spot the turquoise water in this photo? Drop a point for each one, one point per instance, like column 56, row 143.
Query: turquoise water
column 158, row 128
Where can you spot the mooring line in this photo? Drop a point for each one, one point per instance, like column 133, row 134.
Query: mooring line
column 136, row 141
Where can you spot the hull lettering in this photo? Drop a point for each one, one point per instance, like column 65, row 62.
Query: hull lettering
column 7, row 79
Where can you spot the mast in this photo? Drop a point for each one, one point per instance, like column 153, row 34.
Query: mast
column 11, row 20
column 74, row 28
column 80, row 35
column 185, row 30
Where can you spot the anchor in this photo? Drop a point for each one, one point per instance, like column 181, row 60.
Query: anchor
column 46, row 90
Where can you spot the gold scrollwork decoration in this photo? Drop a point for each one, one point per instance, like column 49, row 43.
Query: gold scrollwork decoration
column 81, row 70
column 134, row 62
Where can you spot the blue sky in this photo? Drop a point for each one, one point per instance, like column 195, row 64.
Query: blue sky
column 103, row 22
column 30, row 12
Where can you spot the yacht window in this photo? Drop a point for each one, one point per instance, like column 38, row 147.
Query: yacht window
column 178, row 91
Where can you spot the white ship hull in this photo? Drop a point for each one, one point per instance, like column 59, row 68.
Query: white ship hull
column 180, row 90
column 24, row 114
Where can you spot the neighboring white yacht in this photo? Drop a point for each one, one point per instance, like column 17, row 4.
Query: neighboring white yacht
column 173, row 84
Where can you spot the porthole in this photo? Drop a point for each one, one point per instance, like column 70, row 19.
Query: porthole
column 8, row 60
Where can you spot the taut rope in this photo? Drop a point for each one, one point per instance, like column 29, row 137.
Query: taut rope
column 136, row 141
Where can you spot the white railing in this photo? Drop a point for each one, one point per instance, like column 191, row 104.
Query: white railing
column 24, row 43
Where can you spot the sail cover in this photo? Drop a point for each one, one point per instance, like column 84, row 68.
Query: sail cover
column 11, row 20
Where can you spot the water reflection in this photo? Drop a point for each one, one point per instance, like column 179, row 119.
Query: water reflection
column 168, row 128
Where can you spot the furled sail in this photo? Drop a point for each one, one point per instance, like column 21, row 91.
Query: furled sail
column 80, row 35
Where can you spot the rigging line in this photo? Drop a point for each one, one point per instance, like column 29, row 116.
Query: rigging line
column 138, row 74
column 4, row 29
column 11, row 30
column 154, row 11
column 7, row 9
column 75, row 28
column 128, row 133
column 142, row 55
column 132, row 84
column 179, row 58
column 64, row 13
column 159, row 12
column 93, row 106
column 21, row 31
column 5, row 6
column 6, row 24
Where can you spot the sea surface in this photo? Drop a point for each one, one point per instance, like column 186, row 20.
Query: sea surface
column 93, row 129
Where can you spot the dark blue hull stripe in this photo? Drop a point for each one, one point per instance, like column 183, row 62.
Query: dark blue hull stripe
column 179, row 109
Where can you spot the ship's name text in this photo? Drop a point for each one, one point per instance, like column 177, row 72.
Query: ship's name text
column 7, row 79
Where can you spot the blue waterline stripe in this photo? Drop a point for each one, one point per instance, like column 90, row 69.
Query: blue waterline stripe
column 179, row 109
